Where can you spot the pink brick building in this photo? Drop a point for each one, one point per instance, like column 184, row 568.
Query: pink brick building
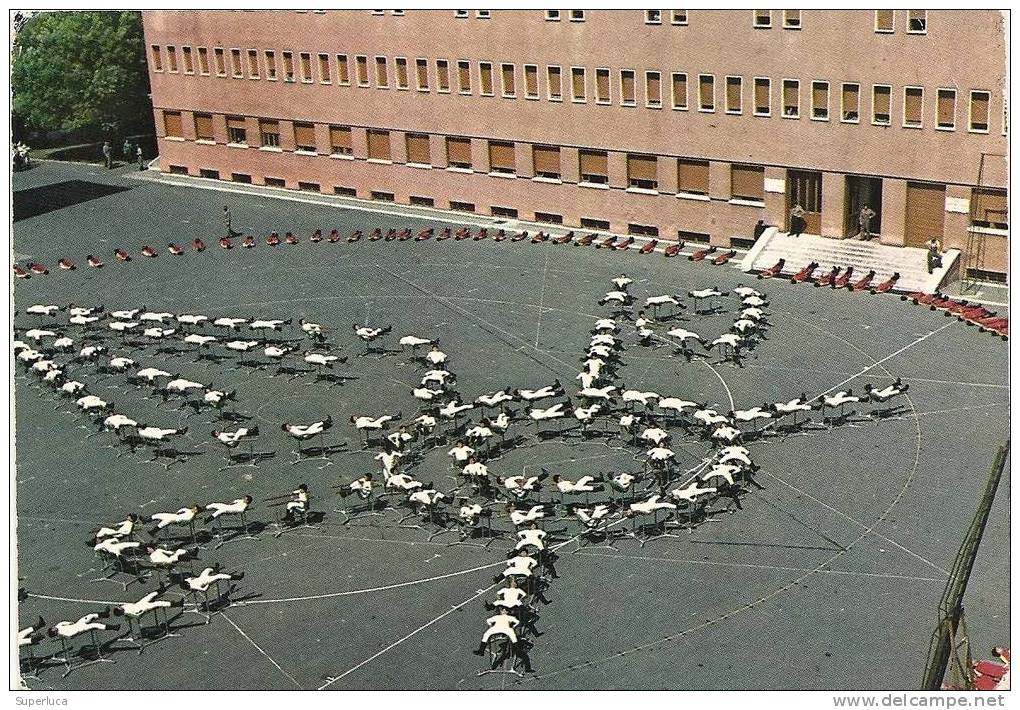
column 686, row 124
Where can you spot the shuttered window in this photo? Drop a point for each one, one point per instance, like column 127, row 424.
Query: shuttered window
column 642, row 172
column 627, row 87
column 881, row 105
column 555, row 84
column 253, row 63
column 820, row 100
column 577, row 84
column 221, row 64
column 913, row 106
column 546, row 161
column 979, row 101
column 734, row 86
column 946, row 108
column 172, row 124
column 791, row 98
column 485, row 76
column 692, row 176
column 379, row 145
column 747, row 182
column 464, row 76
column 288, row 64
column 340, row 140
column 203, row 61
column 762, row 96
column 189, row 65
column 306, row 66
column 706, row 92
column 594, row 166
column 884, row 20
column 157, row 58
column 850, row 103
column 422, row 69
column 530, row 81
column 653, row 89
column 204, row 127
column 269, row 133
column 304, row 137
column 989, row 208
column 400, row 63
column 507, row 75
column 680, row 91
column 343, row 72
column 237, row 130
column 501, row 157
column 443, row 75
column 382, row 77
column 324, row 72
column 458, row 153
column 418, row 149
column 171, row 58
column 602, row 86
column 361, row 69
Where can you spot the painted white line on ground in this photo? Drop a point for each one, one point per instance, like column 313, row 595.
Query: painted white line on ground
column 261, row 650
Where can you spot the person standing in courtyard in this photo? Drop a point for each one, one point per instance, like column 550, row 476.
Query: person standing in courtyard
column 129, row 150
column 107, row 154
column 138, row 157
column 227, row 221
column 934, row 254
column 797, row 221
column 864, row 218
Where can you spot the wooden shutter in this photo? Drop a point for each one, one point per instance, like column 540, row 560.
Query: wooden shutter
column 531, row 80
column 642, row 167
column 791, row 89
column 762, row 97
column 458, row 150
column 423, row 73
column 443, row 75
column 706, row 91
column 485, row 72
column 173, row 125
column 912, row 101
column 304, row 134
column 926, row 211
column 653, row 88
column 947, row 107
column 203, row 126
column 680, row 91
column 627, row 86
column 236, row 122
column 546, row 159
column 851, row 99
column 577, row 82
column 508, row 80
column 401, row 67
column 979, row 110
column 379, row 145
column 343, row 74
column 501, row 156
column 692, row 176
column 555, row 86
column 884, row 19
column 748, row 182
column 820, row 95
column 418, row 149
column 990, row 206
column 340, row 137
column 602, row 84
column 267, row 125
column 594, row 162
column 733, row 99
column 464, row 76
column 881, row 101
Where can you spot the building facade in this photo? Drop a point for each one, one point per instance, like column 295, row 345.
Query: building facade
column 685, row 124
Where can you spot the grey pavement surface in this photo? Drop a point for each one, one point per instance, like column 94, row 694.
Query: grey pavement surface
column 828, row 578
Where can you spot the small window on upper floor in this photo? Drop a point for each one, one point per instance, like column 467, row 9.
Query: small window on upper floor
column 979, row 111
column 917, row 22
column 678, row 17
column 378, row 12
column 157, row 58
column 791, row 19
column 885, row 20
column 461, row 14
column 577, row 15
column 763, row 18
column 552, row 15
column 483, row 14
column 653, row 17
column 398, row 13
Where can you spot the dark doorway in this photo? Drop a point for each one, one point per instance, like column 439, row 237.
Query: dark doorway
column 804, row 188
column 862, row 192
column 47, row 198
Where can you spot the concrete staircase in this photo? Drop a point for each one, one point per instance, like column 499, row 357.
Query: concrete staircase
column 910, row 262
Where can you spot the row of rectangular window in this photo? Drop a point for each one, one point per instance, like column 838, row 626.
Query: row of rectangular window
column 442, row 72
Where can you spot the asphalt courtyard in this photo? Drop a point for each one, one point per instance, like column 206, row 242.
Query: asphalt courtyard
column 828, row 578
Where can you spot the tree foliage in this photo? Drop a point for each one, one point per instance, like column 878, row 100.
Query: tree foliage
column 81, row 71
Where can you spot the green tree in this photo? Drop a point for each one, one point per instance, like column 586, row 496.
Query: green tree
column 81, row 71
